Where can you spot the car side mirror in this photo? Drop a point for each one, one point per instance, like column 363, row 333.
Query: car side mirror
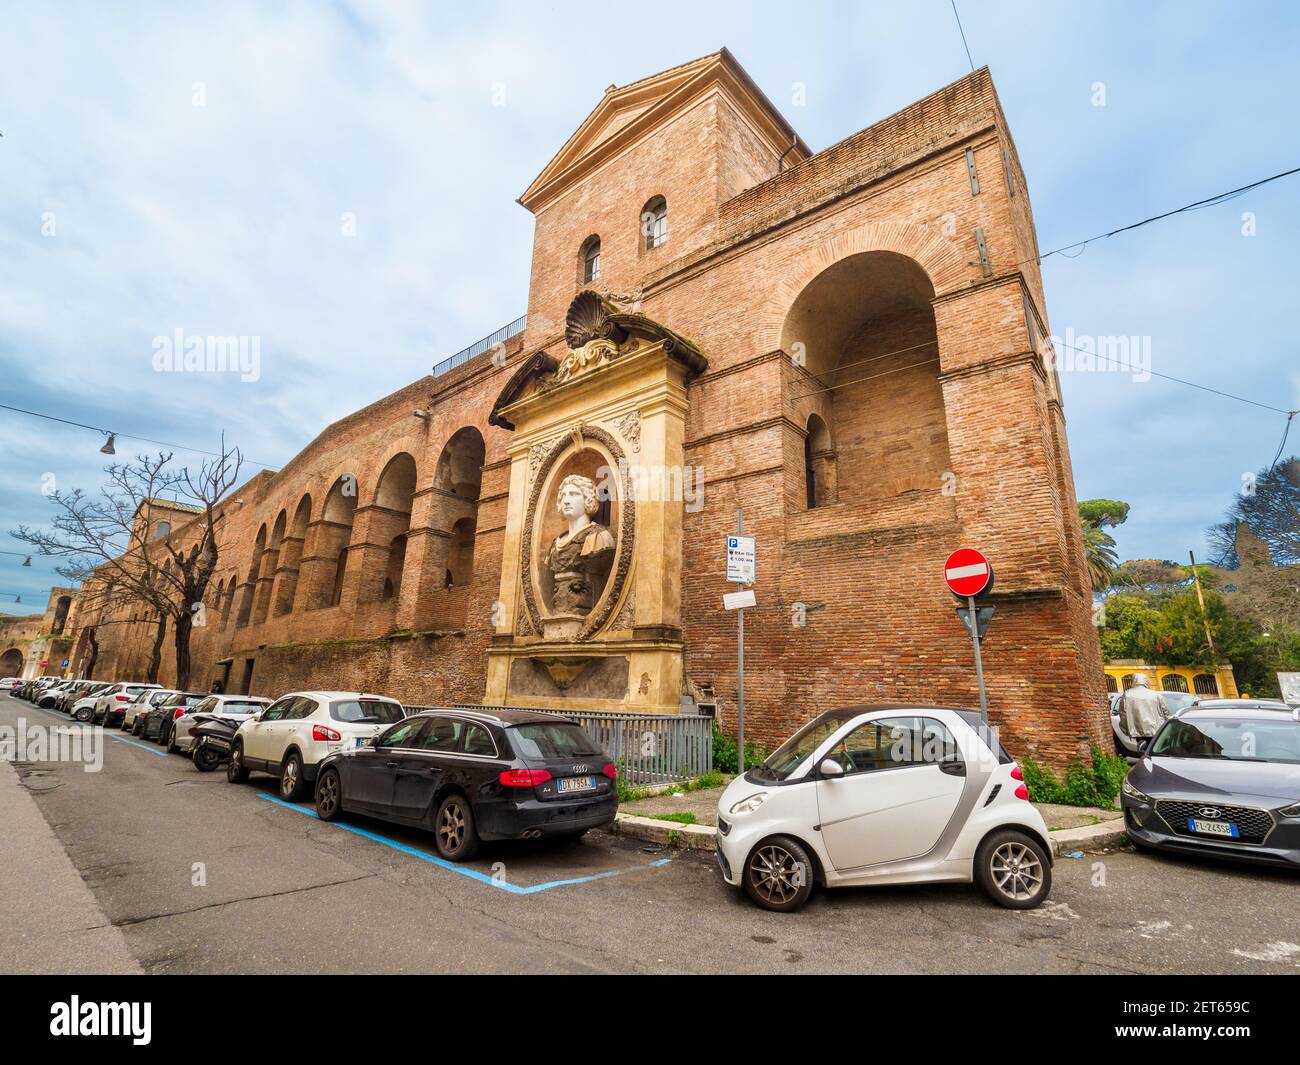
column 830, row 769
column 1142, row 747
column 374, row 741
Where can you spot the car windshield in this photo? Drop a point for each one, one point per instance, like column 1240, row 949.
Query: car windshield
column 543, row 739
column 1173, row 702
column 367, row 711
column 786, row 758
column 1231, row 739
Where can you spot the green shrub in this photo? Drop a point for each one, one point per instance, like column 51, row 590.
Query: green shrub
column 724, row 752
column 1084, row 785
column 683, row 818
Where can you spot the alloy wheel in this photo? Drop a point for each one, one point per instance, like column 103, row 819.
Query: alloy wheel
column 451, row 827
column 775, row 874
column 1017, row 871
column 289, row 778
column 328, row 799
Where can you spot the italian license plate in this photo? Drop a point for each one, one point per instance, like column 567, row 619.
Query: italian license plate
column 1212, row 828
column 360, row 741
column 564, row 785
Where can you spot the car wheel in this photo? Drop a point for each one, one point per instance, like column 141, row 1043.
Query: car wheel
column 172, row 748
column 329, row 796
column 453, row 829
column 779, row 875
column 205, row 761
column 135, row 727
column 236, row 771
column 291, row 779
column 83, row 715
column 1013, row 870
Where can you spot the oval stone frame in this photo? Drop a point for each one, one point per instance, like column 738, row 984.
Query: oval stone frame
column 626, row 535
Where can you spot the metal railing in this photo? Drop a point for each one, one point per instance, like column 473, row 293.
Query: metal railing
column 479, row 346
column 647, row 748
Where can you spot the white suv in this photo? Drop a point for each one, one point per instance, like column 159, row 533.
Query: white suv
column 110, row 707
column 296, row 731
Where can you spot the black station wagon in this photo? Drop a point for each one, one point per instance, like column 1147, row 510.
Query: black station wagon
column 473, row 775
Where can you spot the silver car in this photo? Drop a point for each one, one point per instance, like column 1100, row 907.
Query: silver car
column 230, row 707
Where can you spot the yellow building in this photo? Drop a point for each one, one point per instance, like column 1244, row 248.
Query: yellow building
column 1200, row 680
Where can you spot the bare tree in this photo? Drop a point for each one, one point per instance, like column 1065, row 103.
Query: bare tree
column 109, row 541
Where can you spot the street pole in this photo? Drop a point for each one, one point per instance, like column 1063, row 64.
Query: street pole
column 979, row 662
column 740, row 664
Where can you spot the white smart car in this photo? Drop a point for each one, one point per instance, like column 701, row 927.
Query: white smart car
column 884, row 795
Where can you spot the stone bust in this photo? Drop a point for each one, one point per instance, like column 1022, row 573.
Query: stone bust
column 579, row 558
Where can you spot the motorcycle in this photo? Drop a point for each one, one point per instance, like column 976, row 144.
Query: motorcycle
column 212, row 736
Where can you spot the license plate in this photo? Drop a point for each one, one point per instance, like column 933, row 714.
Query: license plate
column 1213, row 828
column 360, row 741
column 566, row 784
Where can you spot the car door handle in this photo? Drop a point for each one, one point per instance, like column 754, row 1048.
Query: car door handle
column 392, row 765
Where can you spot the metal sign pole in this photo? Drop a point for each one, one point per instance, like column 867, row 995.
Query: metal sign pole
column 979, row 662
column 740, row 664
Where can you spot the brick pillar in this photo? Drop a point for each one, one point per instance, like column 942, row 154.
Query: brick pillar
column 286, row 575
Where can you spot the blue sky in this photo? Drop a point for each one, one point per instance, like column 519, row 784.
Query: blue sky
column 126, row 211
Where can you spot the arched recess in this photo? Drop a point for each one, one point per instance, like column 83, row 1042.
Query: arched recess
column 389, row 521
column 267, row 570
column 228, row 607
column 333, row 536
column 212, row 609
column 11, row 663
column 449, row 568
column 250, row 585
column 61, row 608
column 864, row 329
column 818, row 463
column 286, row 584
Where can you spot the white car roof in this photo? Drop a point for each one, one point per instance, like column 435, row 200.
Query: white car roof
column 342, row 695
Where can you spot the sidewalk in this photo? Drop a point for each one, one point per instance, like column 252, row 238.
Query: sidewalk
column 1072, row 828
column 53, row 924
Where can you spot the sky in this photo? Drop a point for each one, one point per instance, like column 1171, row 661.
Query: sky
column 338, row 180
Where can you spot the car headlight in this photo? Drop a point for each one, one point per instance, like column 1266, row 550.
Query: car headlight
column 1132, row 792
column 1290, row 811
column 750, row 804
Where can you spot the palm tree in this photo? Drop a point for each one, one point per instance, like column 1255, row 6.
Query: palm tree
column 1099, row 547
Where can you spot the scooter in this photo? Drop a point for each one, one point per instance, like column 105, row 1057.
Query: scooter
column 212, row 736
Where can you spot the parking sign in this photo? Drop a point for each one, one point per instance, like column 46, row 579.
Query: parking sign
column 740, row 559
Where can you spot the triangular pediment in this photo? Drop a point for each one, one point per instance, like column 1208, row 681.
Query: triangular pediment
column 627, row 112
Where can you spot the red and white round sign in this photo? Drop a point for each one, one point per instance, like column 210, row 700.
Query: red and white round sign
column 967, row 572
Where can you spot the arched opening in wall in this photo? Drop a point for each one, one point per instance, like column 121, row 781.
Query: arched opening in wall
column 162, row 530
column 11, row 663
column 1205, row 684
column 1112, row 685
column 1173, row 682
column 286, row 585
column 1127, row 680
column 228, row 607
column 250, row 586
column 335, row 534
column 390, row 520
column 61, row 608
column 654, row 223
column 818, row 463
column 267, row 570
column 213, row 613
column 589, row 260
column 453, row 522
column 865, row 331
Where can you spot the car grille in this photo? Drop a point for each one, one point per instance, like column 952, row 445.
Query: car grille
column 1252, row 824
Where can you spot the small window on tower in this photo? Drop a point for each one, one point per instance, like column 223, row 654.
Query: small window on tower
column 591, row 260
column 654, row 222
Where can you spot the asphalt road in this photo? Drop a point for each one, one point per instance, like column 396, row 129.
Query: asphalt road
column 200, row 875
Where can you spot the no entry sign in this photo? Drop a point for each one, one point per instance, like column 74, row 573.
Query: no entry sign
column 967, row 572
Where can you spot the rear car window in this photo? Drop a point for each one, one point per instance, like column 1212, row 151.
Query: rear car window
column 543, row 739
column 367, row 711
column 239, row 707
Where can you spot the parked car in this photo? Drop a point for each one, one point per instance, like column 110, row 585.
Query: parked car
column 470, row 776
column 137, row 710
column 294, row 733
column 1171, row 703
column 1220, row 780
column 110, row 706
column 8, row 684
column 82, row 708
column 160, row 726
column 884, row 795
column 50, row 696
column 233, row 707
column 78, row 690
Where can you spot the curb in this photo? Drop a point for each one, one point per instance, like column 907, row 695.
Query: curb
column 704, row 837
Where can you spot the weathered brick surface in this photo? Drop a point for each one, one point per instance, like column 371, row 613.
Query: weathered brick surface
column 960, row 439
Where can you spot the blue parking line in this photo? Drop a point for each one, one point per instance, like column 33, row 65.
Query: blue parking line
column 473, row 874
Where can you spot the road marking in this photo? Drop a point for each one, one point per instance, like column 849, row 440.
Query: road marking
column 473, row 874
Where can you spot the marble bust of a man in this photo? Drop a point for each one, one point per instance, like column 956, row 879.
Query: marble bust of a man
column 579, row 558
